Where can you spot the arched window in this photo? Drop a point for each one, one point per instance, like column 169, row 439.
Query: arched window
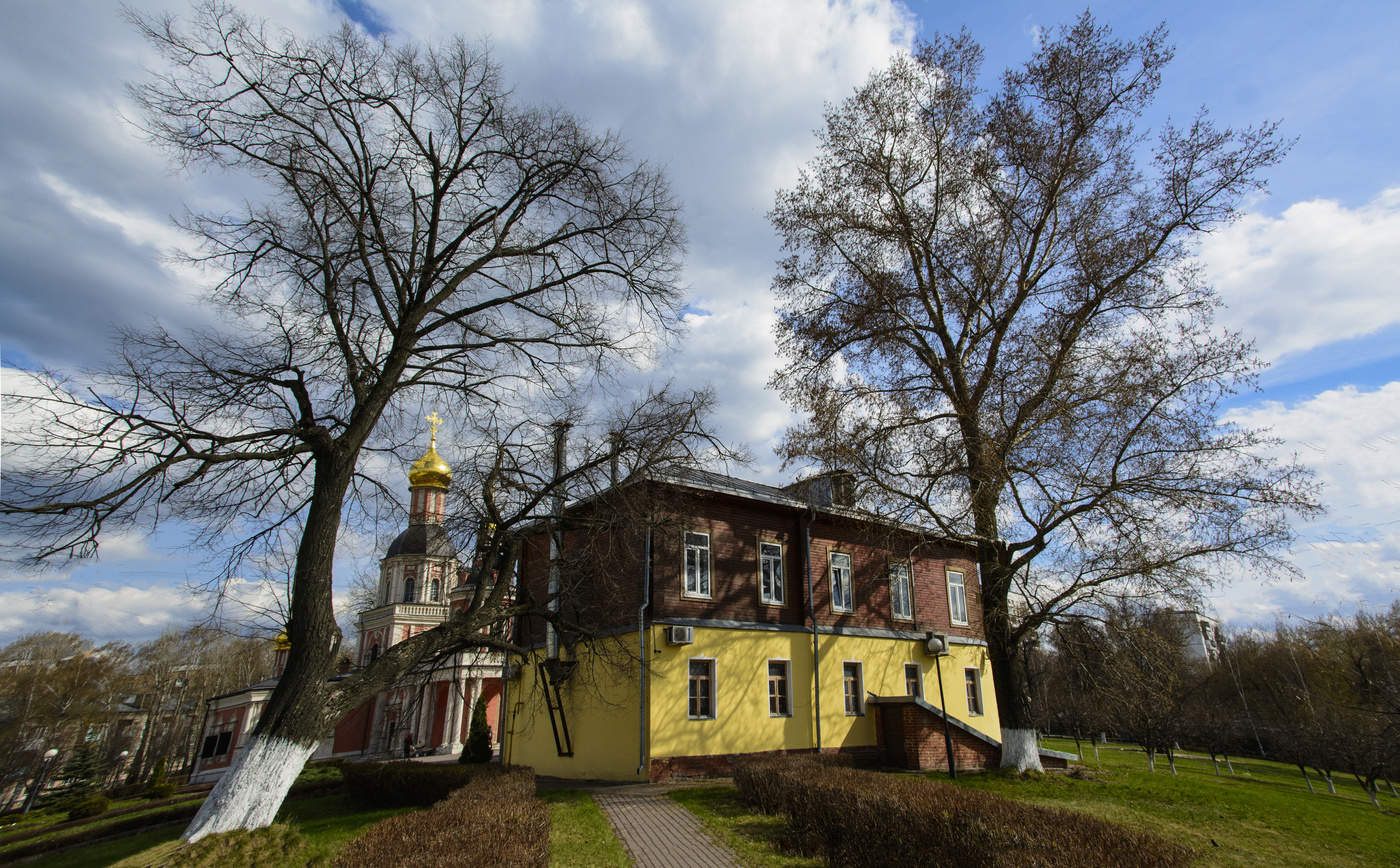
column 408, row 590
column 374, row 652
column 435, row 591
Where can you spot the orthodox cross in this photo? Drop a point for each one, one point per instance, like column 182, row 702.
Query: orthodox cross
column 433, row 420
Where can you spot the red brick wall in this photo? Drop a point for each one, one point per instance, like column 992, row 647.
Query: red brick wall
column 352, row 733
column 913, row 739
column 718, row 765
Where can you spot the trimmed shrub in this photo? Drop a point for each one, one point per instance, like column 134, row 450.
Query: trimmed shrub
column 478, row 746
column 839, row 813
column 89, row 805
column 496, row 820
column 271, row 845
column 162, row 790
column 409, row 784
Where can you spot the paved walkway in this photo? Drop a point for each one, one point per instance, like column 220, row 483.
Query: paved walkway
column 657, row 832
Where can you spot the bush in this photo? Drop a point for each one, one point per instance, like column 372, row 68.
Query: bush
column 478, row 746
column 162, row 790
column 271, row 845
column 408, row 784
column 496, row 820
column 89, row 805
column 840, row 813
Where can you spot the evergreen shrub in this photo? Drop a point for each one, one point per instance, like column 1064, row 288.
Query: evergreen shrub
column 478, row 746
column 495, row 820
column 89, row 805
column 860, row 818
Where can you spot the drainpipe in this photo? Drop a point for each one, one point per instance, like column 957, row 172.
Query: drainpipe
column 642, row 656
column 812, row 615
column 561, row 435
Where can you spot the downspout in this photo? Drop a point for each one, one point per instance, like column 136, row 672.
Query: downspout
column 561, row 433
column 812, row 615
column 642, row 656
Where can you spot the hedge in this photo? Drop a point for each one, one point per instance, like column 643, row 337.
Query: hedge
column 410, row 784
column 496, row 820
column 861, row 818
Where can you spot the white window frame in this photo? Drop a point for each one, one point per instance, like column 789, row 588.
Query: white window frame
column 972, row 681
column 787, row 686
column 859, row 695
column 918, row 682
column 703, row 583
column 957, row 601
column 849, row 583
column 907, row 569
column 714, row 687
column 775, row 595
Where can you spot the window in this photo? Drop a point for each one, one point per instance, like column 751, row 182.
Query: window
column 408, row 590
column 221, row 747
column 435, row 591
column 770, row 571
column 974, row 690
column 779, row 695
column 853, row 686
column 841, row 583
column 374, row 652
column 207, row 750
column 697, row 564
column 957, row 597
column 913, row 680
column 901, row 593
column 702, row 689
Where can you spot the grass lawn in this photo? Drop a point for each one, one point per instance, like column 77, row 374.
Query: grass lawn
column 1262, row 816
column 753, row 836
column 326, row 823
column 579, row 833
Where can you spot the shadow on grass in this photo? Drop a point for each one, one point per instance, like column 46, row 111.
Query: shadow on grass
column 758, row 839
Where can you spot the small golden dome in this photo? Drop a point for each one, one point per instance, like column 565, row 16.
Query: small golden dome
column 430, row 470
column 282, row 643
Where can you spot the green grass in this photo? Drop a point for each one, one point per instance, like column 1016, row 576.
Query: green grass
column 326, row 823
column 579, row 833
column 754, row 837
column 1262, row 816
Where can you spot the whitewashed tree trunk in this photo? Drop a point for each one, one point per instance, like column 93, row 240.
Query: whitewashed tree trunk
column 1171, row 760
column 1215, row 764
column 1371, row 791
column 1096, row 752
column 253, row 788
column 1152, row 760
column 1308, row 779
column 1391, row 784
column 1019, row 750
column 1331, row 787
column 1229, row 765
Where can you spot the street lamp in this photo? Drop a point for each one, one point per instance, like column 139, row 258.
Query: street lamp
column 938, row 646
column 39, row 781
column 117, row 767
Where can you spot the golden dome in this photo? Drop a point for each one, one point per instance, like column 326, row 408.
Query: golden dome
column 430, row 469
column 282, row 643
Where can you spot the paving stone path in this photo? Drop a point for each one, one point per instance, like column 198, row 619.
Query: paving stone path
column 657, row 832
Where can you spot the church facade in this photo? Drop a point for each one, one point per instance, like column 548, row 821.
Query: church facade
column 421, row 581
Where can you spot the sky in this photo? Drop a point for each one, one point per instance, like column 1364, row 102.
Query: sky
column 725, row 95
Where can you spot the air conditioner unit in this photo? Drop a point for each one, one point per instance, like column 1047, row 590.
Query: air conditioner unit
column 936, row 644
column 680, row 635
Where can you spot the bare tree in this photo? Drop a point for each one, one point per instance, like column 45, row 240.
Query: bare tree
column 993, row 318
column 421, row 240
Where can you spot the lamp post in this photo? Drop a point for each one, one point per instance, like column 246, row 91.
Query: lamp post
column 938, row 647
column 117, row 767
column 39, row 781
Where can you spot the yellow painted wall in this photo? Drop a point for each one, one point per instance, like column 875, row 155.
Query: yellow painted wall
column 600, row 703
column 742, row 723
column 602, row 699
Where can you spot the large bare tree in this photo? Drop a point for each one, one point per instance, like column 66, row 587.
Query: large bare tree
column 415, row 239
column 992, row 316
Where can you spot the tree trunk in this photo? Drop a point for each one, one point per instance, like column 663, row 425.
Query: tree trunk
column 1171, row 759
column 1019, row 746
column 1371, row 792
column 1304, row 770
column 1077, row 749
column 253, row 788
column 1096, row 751
column 1391, row 784
column 1215, row 763
column 1151, row 760
column 1229, row 765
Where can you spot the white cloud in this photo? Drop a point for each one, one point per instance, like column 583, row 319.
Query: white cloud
column 1351, row 555
column 1320, row 272
column 123, row 613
